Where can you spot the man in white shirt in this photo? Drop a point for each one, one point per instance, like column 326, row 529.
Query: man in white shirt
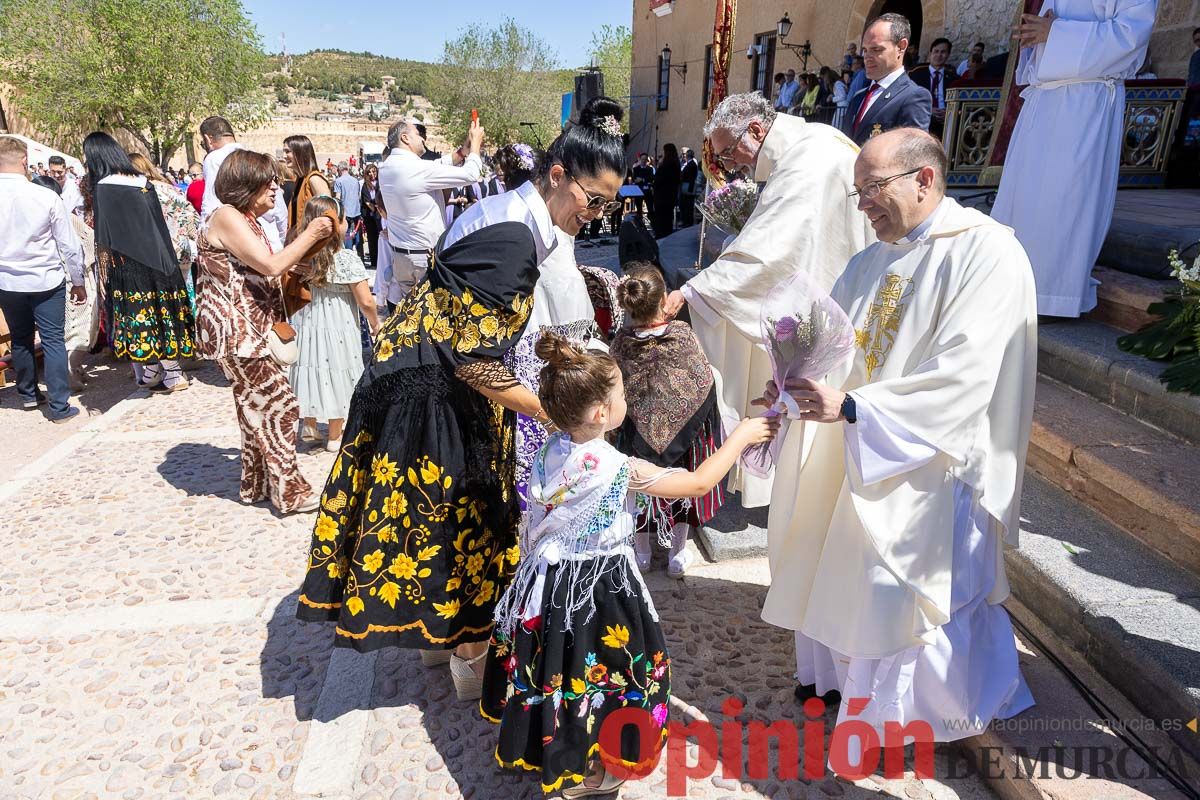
column 412, row 193
column 891, row 100
column 71, row 196
column 38, row 249
column 216, row 136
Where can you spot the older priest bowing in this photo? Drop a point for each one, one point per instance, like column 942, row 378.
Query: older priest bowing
column 895, row 496
column 804, row 222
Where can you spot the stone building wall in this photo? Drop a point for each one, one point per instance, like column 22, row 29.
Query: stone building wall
column 970, row 21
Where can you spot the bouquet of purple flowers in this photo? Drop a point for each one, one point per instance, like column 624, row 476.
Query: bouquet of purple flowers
column 807, row 335
column 731, row 205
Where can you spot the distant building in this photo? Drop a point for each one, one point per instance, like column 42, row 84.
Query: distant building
column 388, row 81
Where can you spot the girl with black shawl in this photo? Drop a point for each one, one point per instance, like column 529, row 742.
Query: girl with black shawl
column 149, row 315
column 416, row 538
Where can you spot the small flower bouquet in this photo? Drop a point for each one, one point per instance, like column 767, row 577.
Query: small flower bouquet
column 731, row 205
column 807, row 335
column 1176, row 336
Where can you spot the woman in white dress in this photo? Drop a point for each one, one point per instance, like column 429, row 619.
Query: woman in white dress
column 327, row 329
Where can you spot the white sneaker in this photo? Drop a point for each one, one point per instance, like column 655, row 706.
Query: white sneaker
column 679, row 563
column 333, row 445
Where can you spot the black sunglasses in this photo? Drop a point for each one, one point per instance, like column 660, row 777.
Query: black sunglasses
column 596, row 202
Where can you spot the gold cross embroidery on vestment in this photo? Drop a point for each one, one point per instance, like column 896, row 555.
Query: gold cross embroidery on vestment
column 878, row 334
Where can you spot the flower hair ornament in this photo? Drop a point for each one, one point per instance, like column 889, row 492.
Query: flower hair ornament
column 524, row 155
column 609, row 125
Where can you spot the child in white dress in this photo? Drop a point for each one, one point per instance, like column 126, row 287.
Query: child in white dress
column 576, row 633
column 327, row 330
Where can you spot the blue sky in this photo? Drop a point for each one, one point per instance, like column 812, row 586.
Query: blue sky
column 417, row 30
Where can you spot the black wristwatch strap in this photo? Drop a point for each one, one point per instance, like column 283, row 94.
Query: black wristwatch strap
column 849, row 411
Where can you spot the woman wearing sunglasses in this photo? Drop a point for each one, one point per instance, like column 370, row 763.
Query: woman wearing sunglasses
column 416, row 538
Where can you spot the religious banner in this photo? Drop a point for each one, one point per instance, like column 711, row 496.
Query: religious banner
column 1010, row 103
column 722, row 52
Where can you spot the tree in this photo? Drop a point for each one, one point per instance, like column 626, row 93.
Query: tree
column 506, row 72
column 612, row 50
column 281, row 91
column 149, row 67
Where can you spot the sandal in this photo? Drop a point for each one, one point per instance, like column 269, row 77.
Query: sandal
column 467, row 684
column 607, row 786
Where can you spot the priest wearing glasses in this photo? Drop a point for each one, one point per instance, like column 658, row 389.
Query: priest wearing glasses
column 899, row 490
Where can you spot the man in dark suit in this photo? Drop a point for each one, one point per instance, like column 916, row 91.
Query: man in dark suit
column 891, row 100
column 688, row 185
column 935, row 77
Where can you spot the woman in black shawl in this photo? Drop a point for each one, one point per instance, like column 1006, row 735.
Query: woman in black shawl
column 416, row 538
column 149, row 315
column 666, row 192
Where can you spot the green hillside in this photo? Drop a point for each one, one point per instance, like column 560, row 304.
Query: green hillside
column 340, row 72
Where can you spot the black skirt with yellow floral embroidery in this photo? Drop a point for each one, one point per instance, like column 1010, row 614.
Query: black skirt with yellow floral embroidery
column 150, row 313
column 552, row 691
column 416, row 537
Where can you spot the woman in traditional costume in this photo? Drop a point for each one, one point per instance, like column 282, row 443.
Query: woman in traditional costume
column 673, row 417
column 560, row 303
column 577, row 636
column 416, row 538
column 151, row 321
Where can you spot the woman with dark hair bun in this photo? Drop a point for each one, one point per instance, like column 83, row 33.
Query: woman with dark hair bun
column 149, row 314
column 299, row 154
column 666, row 192
column 417, row 533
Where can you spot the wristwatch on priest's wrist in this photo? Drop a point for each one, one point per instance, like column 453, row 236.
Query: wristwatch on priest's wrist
column 849, row 412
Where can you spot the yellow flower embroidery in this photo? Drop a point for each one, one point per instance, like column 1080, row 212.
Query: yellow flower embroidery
column 354, row 605
column 336, row 569
column 439, row 328
column 578, row 686
column 373, row 562
column 430, row 472
column 384, row 470
column 617, row 636
column 474, row 563
column 384, row 351
column 486, row 590
column 489, row 326
column 327, row 528
column 403, row 567
column 396, row 505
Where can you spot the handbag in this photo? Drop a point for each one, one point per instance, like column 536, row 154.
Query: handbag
column 296, row 294
column 281, row 342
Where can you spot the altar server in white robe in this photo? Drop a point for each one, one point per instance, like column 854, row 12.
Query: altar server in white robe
column 1060, row 172
column 804, row 222
column 895, row 496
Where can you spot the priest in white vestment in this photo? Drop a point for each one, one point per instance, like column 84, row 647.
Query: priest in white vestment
column 804, row 222
column 895, row 495
column 1060, row 172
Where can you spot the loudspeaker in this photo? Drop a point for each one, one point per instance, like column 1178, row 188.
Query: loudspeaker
column 587, row 85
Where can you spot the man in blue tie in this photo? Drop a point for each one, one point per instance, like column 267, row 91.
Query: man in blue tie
column 934, row 76
column 892, row 100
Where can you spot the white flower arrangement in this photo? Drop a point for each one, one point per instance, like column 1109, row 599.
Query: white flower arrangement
column 1188, row 276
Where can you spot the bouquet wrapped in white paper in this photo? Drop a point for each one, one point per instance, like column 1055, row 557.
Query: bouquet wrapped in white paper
column 807, row 335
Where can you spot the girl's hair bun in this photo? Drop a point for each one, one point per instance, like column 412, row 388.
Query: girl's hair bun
column 557, row 351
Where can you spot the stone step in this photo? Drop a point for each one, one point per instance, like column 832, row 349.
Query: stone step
column 1146, row 225
column 1138, row 476
column 1063, row 748
column 1084, row 355
column 1122, row 298
column 1132, row 614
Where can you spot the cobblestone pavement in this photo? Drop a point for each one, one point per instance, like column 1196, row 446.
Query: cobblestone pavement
column 149, row 649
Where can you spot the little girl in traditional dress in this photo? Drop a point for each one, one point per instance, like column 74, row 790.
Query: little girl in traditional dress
column 576, row 634
column 327, row 329
column 673, row 418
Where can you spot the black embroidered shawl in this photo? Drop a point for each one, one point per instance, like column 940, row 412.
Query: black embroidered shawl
column 472, row 305
column 129, row 220
column 669, row 391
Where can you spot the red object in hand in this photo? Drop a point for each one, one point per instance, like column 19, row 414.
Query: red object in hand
column 474, row 115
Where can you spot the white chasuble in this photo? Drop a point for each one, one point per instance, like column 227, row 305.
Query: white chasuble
column 804, row 221
column 1060, row 173
column 862, row 554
